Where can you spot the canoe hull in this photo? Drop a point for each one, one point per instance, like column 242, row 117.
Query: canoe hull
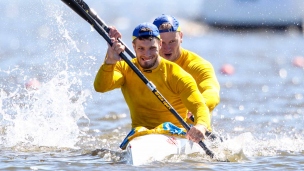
column 156, row 147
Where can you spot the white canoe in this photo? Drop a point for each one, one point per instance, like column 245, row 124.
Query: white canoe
column 156, row 147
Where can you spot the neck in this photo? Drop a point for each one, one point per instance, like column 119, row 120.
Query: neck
column 178, row 55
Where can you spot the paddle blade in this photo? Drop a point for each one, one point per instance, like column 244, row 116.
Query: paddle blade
column 77, row 8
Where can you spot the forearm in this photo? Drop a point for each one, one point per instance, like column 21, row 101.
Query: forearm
column 195, row 103
column 212, row 98
column 110, row 59
column 202, row 116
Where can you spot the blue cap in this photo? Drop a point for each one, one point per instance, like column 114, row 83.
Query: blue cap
column 167, row 19
column 145, row 29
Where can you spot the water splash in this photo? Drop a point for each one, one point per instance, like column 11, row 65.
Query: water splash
column 48, row 115
column 247, row 146
column 45, row 117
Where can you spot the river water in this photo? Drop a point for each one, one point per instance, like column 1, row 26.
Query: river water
column 56, row 125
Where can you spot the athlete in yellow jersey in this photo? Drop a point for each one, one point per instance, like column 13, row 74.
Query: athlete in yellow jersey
column 175, row 84
column 200, row 69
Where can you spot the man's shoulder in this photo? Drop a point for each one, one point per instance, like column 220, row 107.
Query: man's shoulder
column 170, row 63
column 174, row 69
column 187, row 52
column 194, row 58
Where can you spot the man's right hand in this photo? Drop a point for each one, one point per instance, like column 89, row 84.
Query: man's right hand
column 114, row 33
column 114, row 51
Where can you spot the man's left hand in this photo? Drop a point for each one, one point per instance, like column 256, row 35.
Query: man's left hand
column 196, row 133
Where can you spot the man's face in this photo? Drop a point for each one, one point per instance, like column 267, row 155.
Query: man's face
column 171, row 42
column 147, row 52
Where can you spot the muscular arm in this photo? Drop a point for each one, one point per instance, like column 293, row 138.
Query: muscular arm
column 209, row 86
column 203, row 73
column 193, row 100
column 107, row 78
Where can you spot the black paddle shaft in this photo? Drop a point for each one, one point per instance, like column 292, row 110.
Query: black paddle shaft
column 82, row 9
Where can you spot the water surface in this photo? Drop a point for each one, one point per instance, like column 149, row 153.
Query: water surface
column 56, row 126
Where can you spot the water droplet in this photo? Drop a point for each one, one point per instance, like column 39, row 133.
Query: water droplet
column 283, row 73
